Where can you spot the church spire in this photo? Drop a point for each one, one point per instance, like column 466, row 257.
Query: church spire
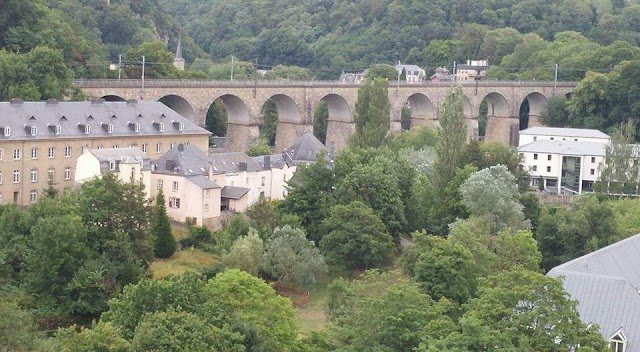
column 178, row 61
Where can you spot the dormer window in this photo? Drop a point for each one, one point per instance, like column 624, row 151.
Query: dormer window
column 159, row 125
column 34, row 130
column 112, row 165
column 134, row 126
column 618, row 342
column 178, row 125
column 7, row 131
column 58, row 130
column 84, row 127
column 110, row 128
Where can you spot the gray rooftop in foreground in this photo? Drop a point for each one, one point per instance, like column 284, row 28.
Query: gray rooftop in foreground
column 234, row 192
column 565, row 148
column 73, row 116
column 305, row 148
column 564, row 132
column 184, row 160
column 202, row 182
column 606, row 284
column 124, row 155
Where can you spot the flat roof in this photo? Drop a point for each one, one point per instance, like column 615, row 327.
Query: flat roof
column 565, row 148
column 565, row 132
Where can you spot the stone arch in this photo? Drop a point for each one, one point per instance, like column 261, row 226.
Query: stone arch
column 113, row 97
column 288, row 110
column 179, row 105
column 530, row 110
column 330, row 109
column 500, row 126
column 241, row 128
column 340, row 124
column 288, row 125
column 339, row 109
column 237, row 110
column 423, row 111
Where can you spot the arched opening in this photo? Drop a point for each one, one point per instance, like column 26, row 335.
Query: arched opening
column 216, row 119
column 417, row 110
column 331, row 107
column 113, row 98
column 179, row 105
column 228, row 116
column 277, row 112
column 531, row 110
column 493, row 114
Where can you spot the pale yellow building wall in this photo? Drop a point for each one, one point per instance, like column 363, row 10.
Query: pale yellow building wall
column 59, row 162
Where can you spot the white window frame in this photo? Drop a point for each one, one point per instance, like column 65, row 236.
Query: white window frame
column 16, row 176
column 618, row 340
column 51, row 152
column 67, row 173
column 136, row 127
column 110, row 128
column 174, row 202
column 34, row 130
column 34, row 175
column 67, row 151
column 51, row 174
column 176, row 186
column 58, row 129
column 17, row 154
column 112, row 165
column 7, row 131
column 34, row 153
column 87, row 129
column 159, row 148
column 145, row 148
column 33, row 196
column 161, row 126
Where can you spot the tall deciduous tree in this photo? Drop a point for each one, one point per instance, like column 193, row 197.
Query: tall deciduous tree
column 372, row 116
column 245, row 254
column 164, row 245
column 292, row 259
column 355, row 237
column 452, row 137
column 619, row 174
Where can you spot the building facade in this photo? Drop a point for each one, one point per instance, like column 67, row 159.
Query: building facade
column 563, row 160
column 473, row 70
column 413, row 73
column 41, row 141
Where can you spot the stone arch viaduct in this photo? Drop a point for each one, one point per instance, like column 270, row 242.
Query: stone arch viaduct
column 296, row 102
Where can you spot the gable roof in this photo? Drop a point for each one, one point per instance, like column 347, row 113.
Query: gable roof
column 305, row 148
column 124, row 155
column 234, row 192
column 565, row 132
column 233, row 162
column 183, row 160
column 606, row 284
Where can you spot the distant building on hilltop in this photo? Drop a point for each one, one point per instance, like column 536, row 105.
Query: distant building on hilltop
column 442, row 75
column 414, row 74
column 473, row 70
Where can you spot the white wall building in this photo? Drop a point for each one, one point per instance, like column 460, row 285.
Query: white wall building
column 128, row 164
column 413, row 73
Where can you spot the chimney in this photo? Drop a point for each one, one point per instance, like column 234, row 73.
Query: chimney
column 267, row 162
column 242, row 166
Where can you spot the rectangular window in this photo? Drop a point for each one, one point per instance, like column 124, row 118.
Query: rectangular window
column 535, row 138
column 170, row 146
column 110, row 128
column 551, row 138
column 548, row 168
column 17, row 154
column 145, row 148
column 115, row 146
column 592, row 172
column 159, row 148
column 58, row 129
column 175, row 186
column 593, row 159
column 263, row 180
column 112, row 165
column 174, row 202
column 34, row 175
column 1, row 154
column 549, row 157
column 535, row 167
column 160, row 184
column 67, row 152
column 51, row 174
column 34, row 130
column 101, row 147
column 87, row 129
column 34, row 153
column 16, row 176
column 51, row 152
column 33, row 196
column 67, row 173
column 535, row 156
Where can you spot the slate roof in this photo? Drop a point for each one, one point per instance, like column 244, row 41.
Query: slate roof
column 202, row 182
column 234, row 192
column 120, row 156
column 412, row 68
column 565, row 148
column 277, row 161
column 72, row 117
column 564, row 132
column 606, row 284
column 231, row 162
column 305, row 148
column 183, row 160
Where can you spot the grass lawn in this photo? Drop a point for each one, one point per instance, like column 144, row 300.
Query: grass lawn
column 180, row 262
column 310, row 310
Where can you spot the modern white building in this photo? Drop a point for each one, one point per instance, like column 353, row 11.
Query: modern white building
column 128, row 164
column 534, row 134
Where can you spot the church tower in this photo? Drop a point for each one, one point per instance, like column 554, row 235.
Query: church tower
column 178, row 61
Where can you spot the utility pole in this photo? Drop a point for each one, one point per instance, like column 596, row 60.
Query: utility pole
column 119, row 66
column 142, row 94
column 232, row 67
column 255, row 79
column 555, row 80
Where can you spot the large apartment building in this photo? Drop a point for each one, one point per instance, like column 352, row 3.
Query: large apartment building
column 41, row 141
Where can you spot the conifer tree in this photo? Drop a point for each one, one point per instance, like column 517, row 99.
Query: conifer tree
column 164, row 245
